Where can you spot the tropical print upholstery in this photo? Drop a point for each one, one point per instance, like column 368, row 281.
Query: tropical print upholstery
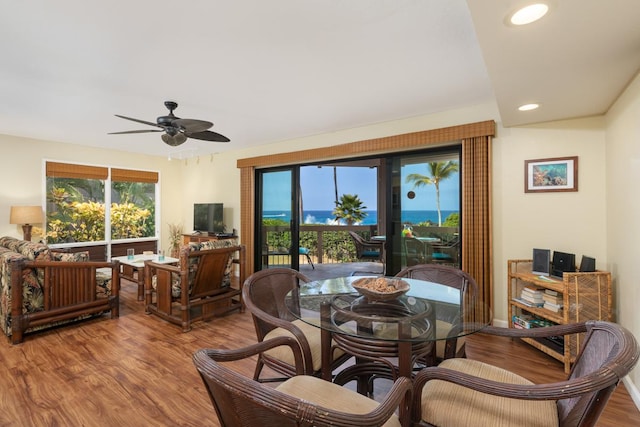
column 33, row 301
column 176, row 287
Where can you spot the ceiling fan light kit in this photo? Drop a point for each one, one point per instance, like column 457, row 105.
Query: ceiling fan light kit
column 177, row 130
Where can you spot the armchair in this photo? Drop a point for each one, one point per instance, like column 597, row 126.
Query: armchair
column 302, row 400
column 264, row 296
column 205, row 273
column 463, row 391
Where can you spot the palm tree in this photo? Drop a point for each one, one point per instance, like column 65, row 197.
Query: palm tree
column 439, row 171
column 350, row 209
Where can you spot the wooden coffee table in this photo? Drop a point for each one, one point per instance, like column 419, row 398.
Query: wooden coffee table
column 132, row 268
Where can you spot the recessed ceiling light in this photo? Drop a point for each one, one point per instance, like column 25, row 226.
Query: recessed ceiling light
column 528, row 107
column 529, row 14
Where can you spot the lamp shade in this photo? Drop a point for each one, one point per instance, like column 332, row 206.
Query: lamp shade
column 26, row 215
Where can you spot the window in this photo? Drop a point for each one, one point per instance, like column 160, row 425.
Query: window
column 133, row 203
column 89, row 203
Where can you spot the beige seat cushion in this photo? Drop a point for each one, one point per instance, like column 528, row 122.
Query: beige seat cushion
column 313, row 335
column 442, row 330
column 332, row 396
column 446, row 404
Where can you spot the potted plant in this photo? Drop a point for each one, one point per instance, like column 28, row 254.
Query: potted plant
column 175, row 237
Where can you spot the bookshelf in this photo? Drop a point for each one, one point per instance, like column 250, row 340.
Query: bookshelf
column 584, row 296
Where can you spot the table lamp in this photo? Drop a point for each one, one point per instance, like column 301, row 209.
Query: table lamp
column 26, row 216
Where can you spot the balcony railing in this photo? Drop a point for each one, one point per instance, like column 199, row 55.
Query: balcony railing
column 330, row 244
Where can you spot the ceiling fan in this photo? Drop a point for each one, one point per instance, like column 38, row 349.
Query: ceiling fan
column 177, row 130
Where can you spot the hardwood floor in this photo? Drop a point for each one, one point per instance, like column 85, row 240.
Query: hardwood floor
column 137, row 370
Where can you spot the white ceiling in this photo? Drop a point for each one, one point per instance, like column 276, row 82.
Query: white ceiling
column 271, row 70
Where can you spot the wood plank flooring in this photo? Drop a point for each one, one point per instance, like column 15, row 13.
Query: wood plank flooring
column 137, row 370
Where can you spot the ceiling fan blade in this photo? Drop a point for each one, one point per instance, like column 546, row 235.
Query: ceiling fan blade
column 192, row 125
column 136, row 131
column 208, row 136
column 144, row 122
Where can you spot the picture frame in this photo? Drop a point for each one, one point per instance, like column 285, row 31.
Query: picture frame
column 551, row 175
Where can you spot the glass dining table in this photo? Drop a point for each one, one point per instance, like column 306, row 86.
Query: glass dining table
column 387, row 338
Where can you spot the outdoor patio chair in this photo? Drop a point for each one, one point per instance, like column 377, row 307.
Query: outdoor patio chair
column 368, row 250
column 302, row 400
column 414, row 251
column 305, row 252
column 446, row 252
column 461, row 392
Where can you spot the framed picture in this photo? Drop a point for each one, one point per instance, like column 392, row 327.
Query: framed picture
column 545, row 175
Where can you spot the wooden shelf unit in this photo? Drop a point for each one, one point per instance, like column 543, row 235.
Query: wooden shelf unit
column 585, row 296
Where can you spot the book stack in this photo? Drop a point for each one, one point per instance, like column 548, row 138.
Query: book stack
column 527, row 321
column 552, row 300
column 534, row 296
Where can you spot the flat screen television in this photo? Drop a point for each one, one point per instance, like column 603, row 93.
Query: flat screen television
column 208, row 218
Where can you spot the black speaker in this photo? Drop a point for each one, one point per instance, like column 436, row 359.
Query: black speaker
column 587, row 264
column 562, row 263
column 541, row 258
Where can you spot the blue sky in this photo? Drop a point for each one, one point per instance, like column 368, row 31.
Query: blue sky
column 318, row 191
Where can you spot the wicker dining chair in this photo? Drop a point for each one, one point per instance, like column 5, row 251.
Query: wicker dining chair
column 446, row 326
column 302, row 400
column 461, row 392
column 264, row 297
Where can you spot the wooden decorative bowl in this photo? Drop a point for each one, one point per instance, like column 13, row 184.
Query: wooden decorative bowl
column 380, row 288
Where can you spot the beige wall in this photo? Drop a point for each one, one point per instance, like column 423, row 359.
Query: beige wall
column 569, row 221
column 623, row 208
column 21, row 174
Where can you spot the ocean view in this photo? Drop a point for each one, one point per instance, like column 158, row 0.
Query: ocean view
column 325, row 217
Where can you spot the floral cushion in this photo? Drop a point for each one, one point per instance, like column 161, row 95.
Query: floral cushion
column 211, row 244
column 103, row 282
column 33, row 251
column 70, row 256
column 176, row 287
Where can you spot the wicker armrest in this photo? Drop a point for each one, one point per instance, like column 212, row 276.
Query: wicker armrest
column 227, row 355
column 287, row 325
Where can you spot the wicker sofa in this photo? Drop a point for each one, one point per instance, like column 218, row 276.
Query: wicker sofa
column 41, row 288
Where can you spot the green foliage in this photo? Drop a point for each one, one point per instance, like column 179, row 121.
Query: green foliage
column 76, row 222
column 273, row 221
column 453, row 220
column 350, row 209
column 76, row 213
column 128, row 220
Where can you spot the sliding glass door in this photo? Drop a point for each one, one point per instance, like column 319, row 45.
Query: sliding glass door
column 278, row 218
column 424, row 213
column 411, row 200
